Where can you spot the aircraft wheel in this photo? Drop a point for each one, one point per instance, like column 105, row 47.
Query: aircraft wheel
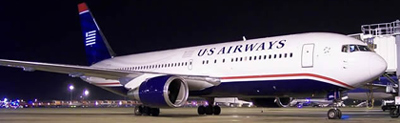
column 334, row 114
column 209, row 110
column 147, row 110
column 394, row 113
column 339, row 113
column 384, row 108
column 155, row 111
column 138, row 110
column 217, row 110
column 201, row 110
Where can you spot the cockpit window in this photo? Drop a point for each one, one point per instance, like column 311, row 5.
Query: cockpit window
column 352, row 48
column 363, row 48
column 344, row 48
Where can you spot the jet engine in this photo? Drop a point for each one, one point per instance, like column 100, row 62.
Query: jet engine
column 272, row 102
column 162, row 92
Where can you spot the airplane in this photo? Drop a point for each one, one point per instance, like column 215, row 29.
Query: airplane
column 268, row 71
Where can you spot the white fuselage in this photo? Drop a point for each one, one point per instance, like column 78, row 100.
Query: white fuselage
column 308, row 56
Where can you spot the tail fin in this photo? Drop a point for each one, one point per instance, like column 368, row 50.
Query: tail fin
column 96, row 45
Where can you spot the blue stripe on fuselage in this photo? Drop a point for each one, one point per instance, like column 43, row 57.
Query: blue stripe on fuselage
column 298, row 87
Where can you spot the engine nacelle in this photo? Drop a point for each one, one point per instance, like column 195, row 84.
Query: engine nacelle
column 272, row 102
column 162, row 92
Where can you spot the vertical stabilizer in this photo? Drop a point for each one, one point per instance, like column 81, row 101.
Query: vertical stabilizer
column 96, row 45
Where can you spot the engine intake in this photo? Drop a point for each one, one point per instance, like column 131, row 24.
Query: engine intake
column 162, row 92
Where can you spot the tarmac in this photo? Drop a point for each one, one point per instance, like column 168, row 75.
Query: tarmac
column 189, row 115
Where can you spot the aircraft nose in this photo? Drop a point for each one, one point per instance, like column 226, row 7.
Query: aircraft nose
column 377, row 65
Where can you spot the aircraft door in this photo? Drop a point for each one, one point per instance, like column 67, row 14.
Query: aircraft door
column 307, row 56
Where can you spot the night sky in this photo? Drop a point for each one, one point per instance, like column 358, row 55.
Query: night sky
column 49, row 31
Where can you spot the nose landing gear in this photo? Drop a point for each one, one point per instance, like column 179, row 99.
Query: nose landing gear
column 334, row 114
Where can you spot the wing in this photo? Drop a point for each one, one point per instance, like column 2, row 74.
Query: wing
column 72, row 70
column 135, row 78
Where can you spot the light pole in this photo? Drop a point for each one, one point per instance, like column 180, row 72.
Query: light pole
column 71, row 87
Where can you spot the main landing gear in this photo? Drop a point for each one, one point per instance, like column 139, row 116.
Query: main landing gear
column 210, row 109
column 145, row 110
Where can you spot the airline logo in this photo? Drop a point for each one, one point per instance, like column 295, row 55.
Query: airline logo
column 90, row 38
column 243, row 48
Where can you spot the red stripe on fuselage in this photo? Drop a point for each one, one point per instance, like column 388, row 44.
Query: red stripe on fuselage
column 288, row 75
